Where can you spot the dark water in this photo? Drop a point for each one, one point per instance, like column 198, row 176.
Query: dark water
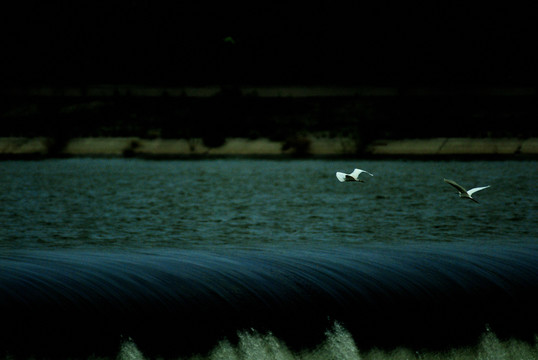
column 237, row 259
column 131, row 203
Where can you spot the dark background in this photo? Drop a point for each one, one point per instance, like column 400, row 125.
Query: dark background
column 458, row 69
column 184, row 43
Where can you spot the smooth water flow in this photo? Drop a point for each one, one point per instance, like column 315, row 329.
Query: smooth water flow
column 177, row 302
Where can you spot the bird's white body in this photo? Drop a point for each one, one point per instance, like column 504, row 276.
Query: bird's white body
column 465, row 193
column 354, row 176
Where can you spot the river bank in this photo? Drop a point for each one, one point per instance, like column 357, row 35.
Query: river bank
column 20, row 147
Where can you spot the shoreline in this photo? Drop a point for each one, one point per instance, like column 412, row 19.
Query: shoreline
column 309, row 146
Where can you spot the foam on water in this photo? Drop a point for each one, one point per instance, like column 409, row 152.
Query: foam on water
column 339, row 345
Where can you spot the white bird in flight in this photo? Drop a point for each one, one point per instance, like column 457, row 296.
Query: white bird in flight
column 465, row 193
column 354, row 176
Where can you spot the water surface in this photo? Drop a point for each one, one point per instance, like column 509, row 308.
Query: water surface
column 136, row 203
column 267, row 259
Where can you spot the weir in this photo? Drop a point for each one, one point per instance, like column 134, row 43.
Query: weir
column 172, row 302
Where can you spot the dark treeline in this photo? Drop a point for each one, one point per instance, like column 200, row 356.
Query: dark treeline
column 231, row 114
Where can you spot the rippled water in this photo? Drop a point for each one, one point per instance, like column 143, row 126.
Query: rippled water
column 136, row 203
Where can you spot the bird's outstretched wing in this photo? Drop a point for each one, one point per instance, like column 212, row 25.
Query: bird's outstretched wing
column 341, row 176
column 473, row 190
column 354, row 176
column 460, row 188
column 357, row 172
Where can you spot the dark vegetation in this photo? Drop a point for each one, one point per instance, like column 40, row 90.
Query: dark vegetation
column 287, row 119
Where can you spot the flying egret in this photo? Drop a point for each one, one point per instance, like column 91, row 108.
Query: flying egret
column 354, row 176
column 465, row 193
